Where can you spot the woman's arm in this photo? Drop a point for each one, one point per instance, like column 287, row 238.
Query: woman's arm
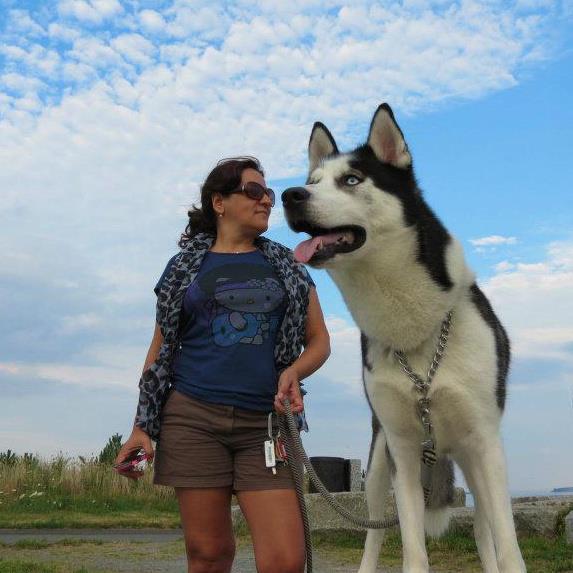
column 152, row 354
column 316, row 351
column 139, row 438
column 317, row 340
column 154, row 347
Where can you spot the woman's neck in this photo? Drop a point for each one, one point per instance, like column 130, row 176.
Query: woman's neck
column 229, row 244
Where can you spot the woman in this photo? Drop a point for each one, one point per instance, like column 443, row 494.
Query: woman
column 236, row 356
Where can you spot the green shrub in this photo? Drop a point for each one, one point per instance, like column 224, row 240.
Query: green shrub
column 8, row 458
column 110, row 451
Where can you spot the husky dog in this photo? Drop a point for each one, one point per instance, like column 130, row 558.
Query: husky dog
column 400, row 273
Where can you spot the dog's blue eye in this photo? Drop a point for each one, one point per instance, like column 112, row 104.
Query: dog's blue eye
column 351, row 180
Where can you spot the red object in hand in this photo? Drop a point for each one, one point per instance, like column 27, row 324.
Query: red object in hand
column 131, row 462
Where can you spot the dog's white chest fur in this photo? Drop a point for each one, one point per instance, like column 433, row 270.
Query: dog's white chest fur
column 462, row 392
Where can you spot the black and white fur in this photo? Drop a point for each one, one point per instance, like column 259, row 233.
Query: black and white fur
column 400, row 272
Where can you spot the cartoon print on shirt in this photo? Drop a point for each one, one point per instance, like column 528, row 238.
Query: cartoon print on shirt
column 241, row 307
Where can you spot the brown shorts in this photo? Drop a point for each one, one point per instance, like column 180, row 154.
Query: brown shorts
column 214, row 445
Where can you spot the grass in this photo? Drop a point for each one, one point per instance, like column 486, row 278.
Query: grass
column 455, row 551
column 63, row 492
column 78, row 556
column 34, row 567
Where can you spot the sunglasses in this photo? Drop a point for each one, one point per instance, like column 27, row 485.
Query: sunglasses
column 256, row 191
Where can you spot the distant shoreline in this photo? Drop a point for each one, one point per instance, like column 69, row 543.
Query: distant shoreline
column 522, row 494
column 534, row 492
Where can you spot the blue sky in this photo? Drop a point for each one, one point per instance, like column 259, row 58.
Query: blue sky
column 111, row 113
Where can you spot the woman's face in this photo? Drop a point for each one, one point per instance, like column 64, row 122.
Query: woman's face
column 250, row 215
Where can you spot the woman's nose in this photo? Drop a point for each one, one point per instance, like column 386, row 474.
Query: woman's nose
column 266, row 200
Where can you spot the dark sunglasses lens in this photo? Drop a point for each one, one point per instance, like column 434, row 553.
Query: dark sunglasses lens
column 256, row 191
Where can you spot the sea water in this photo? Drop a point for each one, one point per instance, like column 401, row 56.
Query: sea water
column 524, row 493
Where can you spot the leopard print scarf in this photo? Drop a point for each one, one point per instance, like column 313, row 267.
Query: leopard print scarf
column 156, row 380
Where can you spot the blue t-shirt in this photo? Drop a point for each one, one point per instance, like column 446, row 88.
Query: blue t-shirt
column 231, row 314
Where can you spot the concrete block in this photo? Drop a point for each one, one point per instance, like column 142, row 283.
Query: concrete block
column 459, row 497
column 323, row 517
column 537, row 516
column 569, row 527
column 354, row 475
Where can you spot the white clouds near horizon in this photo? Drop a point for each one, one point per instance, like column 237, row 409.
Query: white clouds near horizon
column 534, row 301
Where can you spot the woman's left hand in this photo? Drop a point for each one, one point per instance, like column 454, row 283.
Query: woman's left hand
column 289, row 387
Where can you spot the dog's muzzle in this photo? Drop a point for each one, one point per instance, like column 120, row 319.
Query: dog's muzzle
column 324, row 242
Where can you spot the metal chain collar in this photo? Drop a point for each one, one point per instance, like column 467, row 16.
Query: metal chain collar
column 429, row 456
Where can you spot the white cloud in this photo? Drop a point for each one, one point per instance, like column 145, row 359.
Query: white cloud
column 104, row 366
column 84, row 376
column 92, row 11
column 20, row 83
column 151, row 20
column 20, row 21
column 134, row 47
column 300, row 62
column 203, row 23
column 62, row 32
column 94, row 52
column 504, row 266
column 534, row 5
column 344, row 366
column 30, row 103
column 35, row 57
column 534, row 301
column 79, row 322
column 493, row 240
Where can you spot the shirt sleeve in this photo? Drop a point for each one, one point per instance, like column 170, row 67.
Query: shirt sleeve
column 306, row 275
column 164, row 274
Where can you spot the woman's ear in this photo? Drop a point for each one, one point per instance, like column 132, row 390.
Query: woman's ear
column 217, row 201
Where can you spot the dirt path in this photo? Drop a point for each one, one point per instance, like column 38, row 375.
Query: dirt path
column 124, row 550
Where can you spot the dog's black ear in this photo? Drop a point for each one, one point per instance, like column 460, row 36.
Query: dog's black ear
column 387, row 140
column 321, row 145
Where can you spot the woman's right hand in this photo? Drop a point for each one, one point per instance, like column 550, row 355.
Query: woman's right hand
column 137, row 441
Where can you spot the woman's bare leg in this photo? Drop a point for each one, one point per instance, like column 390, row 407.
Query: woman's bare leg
column 206, row 520
column 274, row 519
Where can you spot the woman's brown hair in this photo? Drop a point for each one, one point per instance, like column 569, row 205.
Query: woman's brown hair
column 224, row 178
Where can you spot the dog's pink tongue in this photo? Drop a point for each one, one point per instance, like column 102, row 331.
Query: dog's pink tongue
column 304, row 251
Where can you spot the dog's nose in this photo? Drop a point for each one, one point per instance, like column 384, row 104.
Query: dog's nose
column 294, row 196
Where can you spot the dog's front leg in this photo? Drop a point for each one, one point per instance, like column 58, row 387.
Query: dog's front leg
column 377, row 486
column 410, row 503
column 484, row 466
column 482, row 529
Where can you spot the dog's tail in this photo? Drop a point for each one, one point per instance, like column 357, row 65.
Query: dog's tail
column 437, row 521
column 438, row 513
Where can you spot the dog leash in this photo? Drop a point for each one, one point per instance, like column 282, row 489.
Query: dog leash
column 298, row 458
